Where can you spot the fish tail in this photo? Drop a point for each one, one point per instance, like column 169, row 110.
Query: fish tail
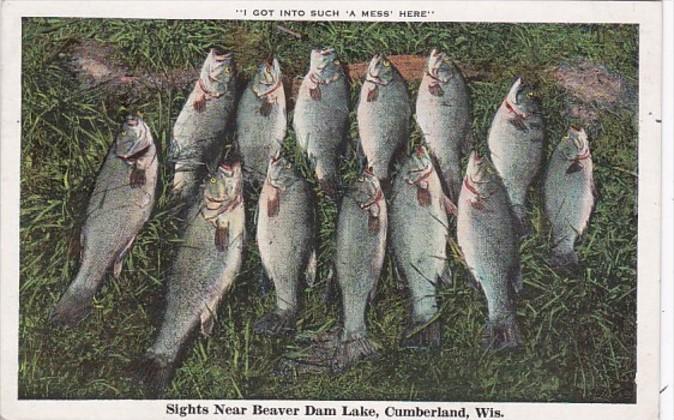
column 502, row 334
column 75, row 304
column 155, row 371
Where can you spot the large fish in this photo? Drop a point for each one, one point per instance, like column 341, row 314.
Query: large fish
column 204, row 268
column 199, row 131
column 569, row 195
column 119, row 206
column 261, row 119
column 321, row 115
column 443, row 115
column 285, row 238
column 516, row 144
column 383, row 115
column 361, row 245
column 419, row 229
column 487, row 235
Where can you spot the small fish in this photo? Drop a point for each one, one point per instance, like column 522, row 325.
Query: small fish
column 204, row 268
column 383, row 115
column 198, row 133
column 443, row 115
column 121, row 203
column 419, row 229
column 568, row 192
column 261, row 119
column 516, row 145
column 487, row 234
column 321, row 116
column 286, row 240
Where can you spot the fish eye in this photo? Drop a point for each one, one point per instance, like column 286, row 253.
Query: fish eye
column 336, row 62
column 226, row 70
column 386, row 63
column 530, row 94
column 212, row 180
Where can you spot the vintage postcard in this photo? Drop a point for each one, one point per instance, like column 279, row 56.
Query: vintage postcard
column 294, row 209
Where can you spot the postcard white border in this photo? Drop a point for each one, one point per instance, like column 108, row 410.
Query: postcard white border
column 646, row 14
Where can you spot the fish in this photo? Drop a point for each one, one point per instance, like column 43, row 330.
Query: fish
column 261, row 120
column 443, row 114
column 321, row 116
column 488, row 238
column 419, row 232
column 205, row 267
column 569, row 195
column 199, row 131
column 120, row 205
column 383, row 115
column 516, row 145
column 286, row 232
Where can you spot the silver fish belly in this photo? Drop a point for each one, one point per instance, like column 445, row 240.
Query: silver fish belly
column 487, row 235
column 443, row 115
column 568, row 192
column 383, row 115
column 121, row 203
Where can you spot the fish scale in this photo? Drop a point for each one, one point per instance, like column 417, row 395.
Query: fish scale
column 118, row 208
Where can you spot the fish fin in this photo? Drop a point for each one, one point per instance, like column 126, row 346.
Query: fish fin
column 399, row 274
column 468, row 142
column 315, row 93
column 502, row 334
column 265, row 283
column 518, row 123
column 310, row 271
column 449, row 206
column 199, row 103
column 372, row 223
column 574, row 167
column 373, row 94
column 154, row 372
column 222, row 237
column 436, row 90
column 423, row 196
column 277, row 323
column 117, row 265
column 265, row 107
column 446, row 275
column 420, row 335
column 273, row 202
column 207, row 321
column 70, row 310
column 477, row 204
column 515, row 277
column 331, row 293
column 137, row 178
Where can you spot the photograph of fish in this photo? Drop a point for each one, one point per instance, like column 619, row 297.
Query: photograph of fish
column 222, row 209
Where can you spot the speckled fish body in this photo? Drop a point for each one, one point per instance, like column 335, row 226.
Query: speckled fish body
column 516, row 144
column 361, row 245
column 419, row 229
column 321, row 114
column 569, row 194
column 261, row 120
column 443, row 115
column 199, row 131
column 119, row 206
column 286, row 240
column 383, row 114
column 487, row 235
column 204, row 268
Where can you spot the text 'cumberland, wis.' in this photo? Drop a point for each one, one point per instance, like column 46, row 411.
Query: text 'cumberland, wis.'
column 183, row 410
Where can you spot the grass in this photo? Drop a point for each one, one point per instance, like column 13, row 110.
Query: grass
column 580, row 331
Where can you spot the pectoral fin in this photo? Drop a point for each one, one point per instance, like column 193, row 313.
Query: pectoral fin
column 199, row 103
column 436, row 90
column 518, row 123
column 373, row 94
column 574, row 167
column 265, row 107
column 315, row 93
column 137, row 178
column 310, row 272
column 273, row 203
column 423, row 196
column 207, row 321
column 221, row 237
column 117, row 265
column 449, row 206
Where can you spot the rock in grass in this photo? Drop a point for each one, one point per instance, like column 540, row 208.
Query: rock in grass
column 568, row 191
column 443, row 114
column 321, row 115
column 261, row 120
column 383, row 115
column 206, row 264
column 488, row 237
column 121, row 203
column 419, row 229
column 286, row 240
column 516, row 144
column 198, row 133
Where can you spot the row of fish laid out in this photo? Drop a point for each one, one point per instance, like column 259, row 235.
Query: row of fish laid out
column 488, row 202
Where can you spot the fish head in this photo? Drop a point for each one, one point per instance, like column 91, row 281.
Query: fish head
column 380, row 70
column 223, row 185
column 218, row 70
column 479, row 173
column 440, row 66
column 523, row 96
column 575, row 144
column 133, row 139
column 267, row 77
column 324, row 61
column 280, row 172
column 366, row 189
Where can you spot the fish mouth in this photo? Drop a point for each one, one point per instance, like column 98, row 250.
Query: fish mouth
column 220, row 54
